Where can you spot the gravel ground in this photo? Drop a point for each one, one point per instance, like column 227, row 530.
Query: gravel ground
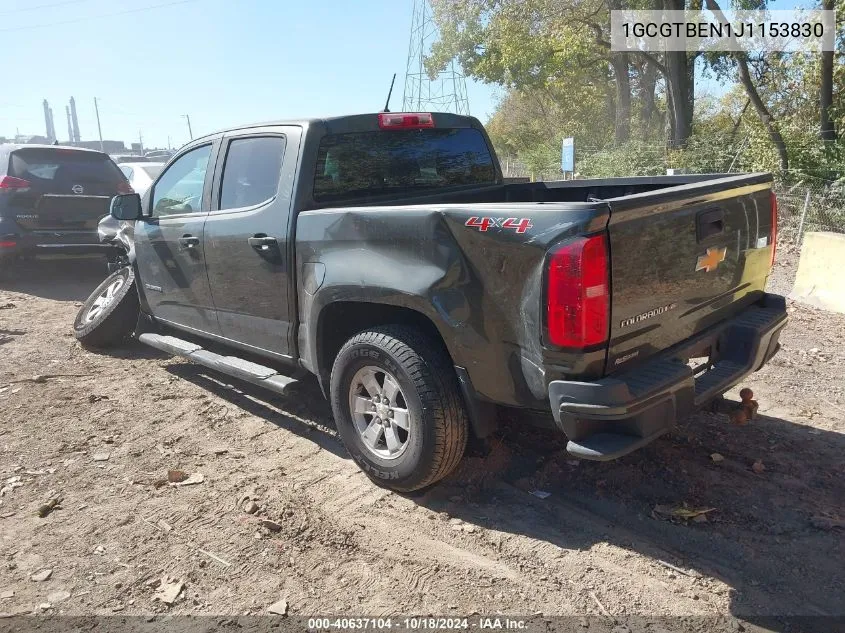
column 279, row 513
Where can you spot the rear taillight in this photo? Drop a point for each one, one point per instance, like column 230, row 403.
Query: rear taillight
column 405, row 120
column 125, row 187
column 578, row 293
column 774, row 204
column 10, row 182
column 7, row 244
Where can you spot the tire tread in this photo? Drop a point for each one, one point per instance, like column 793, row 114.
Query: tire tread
column 117, row 321
column 429, row 368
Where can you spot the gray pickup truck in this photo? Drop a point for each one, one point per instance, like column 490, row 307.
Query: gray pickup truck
column 384, row 254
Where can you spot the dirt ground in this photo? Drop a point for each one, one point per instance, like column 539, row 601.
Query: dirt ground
column 101, row 432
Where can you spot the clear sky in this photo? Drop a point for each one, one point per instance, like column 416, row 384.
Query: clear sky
column 224, row 62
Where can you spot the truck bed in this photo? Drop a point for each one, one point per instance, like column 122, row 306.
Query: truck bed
column 582, row 190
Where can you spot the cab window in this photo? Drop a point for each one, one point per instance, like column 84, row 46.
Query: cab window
column 179, row 190
column 251, row 171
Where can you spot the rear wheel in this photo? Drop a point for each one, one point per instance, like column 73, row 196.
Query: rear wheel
column 398, row 408
column 109, row 315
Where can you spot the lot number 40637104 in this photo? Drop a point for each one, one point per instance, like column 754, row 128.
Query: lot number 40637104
column 520, row 225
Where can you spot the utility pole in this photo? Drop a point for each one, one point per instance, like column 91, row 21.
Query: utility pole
column 190, row 131
column 99, row 129
column 168, row 141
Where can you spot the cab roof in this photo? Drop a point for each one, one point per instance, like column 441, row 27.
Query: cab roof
column 11, row 147
column 349, row 123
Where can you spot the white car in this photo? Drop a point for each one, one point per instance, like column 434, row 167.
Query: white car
column 141, row 175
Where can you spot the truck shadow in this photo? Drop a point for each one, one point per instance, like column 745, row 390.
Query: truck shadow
column 58, row 278
column 7, row 336
column 772, row 543
column 774, row 538
column 289, row 412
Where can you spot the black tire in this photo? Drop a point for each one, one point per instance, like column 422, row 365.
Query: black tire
column 116, row 321
column 438, row 426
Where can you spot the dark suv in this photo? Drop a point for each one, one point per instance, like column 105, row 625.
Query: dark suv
column 52, row 197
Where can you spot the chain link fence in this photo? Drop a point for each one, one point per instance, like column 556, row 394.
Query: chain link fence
column 810, row 206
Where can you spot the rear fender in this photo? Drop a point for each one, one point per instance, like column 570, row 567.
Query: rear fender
column 481, row 289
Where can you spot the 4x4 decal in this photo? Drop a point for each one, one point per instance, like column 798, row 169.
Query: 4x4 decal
column 520, row 225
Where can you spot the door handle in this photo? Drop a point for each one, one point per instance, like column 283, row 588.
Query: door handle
column 189, row 241
column 263, row 243
column 710, row 223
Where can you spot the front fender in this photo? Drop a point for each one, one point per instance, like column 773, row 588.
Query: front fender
column 119, row 233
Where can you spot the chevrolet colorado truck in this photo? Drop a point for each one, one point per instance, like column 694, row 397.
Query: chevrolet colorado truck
column 384, row 254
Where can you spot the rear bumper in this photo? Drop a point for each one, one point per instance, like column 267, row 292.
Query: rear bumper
column 55, row 242
column 614, row 416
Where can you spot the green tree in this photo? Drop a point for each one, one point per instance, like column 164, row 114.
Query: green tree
column 523, row 44
column 529, row 124
column 739, row 60
column 560, row 78
column 535, row 44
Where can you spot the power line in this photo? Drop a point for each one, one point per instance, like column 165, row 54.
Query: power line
column 44, row 6
column 94, row 17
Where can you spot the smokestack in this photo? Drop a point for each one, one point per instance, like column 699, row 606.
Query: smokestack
column 48, row 122
column 74, row 120
column 69, row 126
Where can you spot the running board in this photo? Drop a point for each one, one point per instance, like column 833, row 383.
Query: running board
column 230, row 365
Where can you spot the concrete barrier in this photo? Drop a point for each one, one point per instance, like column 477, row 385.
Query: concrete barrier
column 820, row 280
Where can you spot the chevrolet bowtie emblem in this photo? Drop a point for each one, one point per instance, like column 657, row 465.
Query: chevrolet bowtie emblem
column 711, row 260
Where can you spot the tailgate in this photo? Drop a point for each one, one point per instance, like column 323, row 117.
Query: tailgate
column 683, row 259
column 72, row 212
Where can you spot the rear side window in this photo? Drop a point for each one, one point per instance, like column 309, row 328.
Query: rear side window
column 363, row 164
column 251, row 171
column 64, row 167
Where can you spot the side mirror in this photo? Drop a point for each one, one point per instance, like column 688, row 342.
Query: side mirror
column 126, row 206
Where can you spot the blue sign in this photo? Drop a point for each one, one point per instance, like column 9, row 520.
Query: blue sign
column 567, row 155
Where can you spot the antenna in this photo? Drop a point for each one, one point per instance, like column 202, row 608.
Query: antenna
column 389, row 92
column 445, row 92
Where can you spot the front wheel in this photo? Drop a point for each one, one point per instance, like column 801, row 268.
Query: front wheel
column 398, row 408
column 108, row 317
